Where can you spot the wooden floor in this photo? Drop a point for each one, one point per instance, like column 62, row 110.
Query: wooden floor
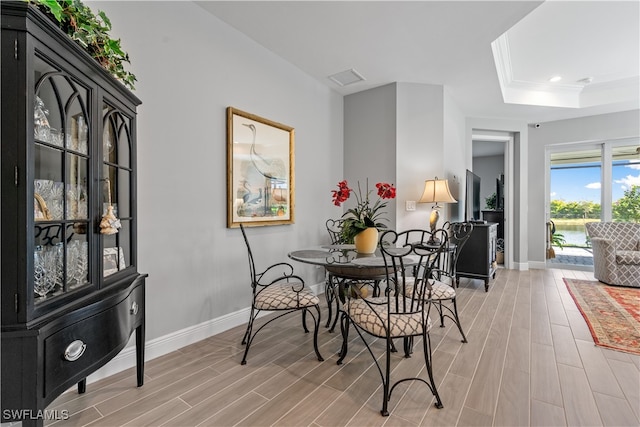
column 530, row 360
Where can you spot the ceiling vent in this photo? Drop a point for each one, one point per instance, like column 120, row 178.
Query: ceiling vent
column 347, row 77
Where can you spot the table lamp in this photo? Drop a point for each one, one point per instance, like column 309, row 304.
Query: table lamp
column 436, row 191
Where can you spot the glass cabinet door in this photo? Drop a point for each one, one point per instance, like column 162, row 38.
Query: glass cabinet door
column 117, row 183
column 61, row 159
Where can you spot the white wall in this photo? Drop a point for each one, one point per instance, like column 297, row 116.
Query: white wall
column 605, row 127
column 187, row 76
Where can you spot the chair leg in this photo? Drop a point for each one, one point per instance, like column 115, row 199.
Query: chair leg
column 344, row 328
column 249, row 327
column 426, row 344
column 247, row 337
column 408, row 347
column 304, row 321
column 315, row 333
column 386, row 393
column 439, row 307
column 455, row 313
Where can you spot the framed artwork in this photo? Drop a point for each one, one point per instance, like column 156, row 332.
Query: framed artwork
column 113, row 261
column 260, row 171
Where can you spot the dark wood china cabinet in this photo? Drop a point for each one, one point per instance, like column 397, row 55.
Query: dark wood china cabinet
column 71, row 293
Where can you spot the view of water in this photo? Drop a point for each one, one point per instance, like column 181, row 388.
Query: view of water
column 573, row 234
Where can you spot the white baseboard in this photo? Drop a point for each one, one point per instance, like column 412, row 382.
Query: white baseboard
column 538, row 265
column 171, row 342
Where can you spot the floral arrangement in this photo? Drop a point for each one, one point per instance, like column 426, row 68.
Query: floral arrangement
column 364, row 214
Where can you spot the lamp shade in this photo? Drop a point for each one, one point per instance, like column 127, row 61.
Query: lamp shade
column 436, row 191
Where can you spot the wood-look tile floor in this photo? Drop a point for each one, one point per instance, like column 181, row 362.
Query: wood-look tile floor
column 530, row 360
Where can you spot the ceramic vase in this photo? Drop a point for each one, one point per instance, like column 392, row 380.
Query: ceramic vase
column 366, row 241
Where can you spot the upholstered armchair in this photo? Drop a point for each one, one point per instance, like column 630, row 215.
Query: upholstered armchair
column 616, row 252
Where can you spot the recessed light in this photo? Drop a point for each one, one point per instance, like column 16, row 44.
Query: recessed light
column 555, row 79
column 586, row 80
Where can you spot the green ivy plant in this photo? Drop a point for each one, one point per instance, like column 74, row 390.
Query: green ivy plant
column 91, row 32
column 491, row 201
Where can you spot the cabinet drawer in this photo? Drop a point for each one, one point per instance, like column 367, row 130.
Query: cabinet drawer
column 75, row 351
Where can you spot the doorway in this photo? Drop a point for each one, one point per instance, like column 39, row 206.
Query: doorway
column 492, row 161
column 588, row 182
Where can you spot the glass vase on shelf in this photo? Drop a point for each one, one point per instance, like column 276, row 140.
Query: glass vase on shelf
column 44, row 272
column 41, row 127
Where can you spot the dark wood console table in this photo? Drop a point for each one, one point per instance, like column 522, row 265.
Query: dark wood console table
column 477, row 259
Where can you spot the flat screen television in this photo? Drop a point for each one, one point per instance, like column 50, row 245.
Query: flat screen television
column 472, row 197
column 500, row 193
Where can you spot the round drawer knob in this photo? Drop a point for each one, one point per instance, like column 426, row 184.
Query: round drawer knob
column 74, row 350
column 134, row 308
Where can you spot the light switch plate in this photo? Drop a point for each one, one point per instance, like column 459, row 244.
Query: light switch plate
column 410, row 205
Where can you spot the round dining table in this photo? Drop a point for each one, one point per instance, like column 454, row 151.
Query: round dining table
column 345, row 266
column 349, row 272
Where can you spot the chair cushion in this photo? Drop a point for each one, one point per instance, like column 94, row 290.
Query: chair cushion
column 628, row 257
column 400, row 325
column 439, row 290
column 281, row 296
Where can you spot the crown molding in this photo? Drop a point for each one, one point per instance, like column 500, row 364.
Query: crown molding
column 567, row 95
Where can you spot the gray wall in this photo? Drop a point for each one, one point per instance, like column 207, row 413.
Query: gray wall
column 398, row 133
column 369, row 128
column 488, row 169
column 189, row 70
column 455, row 156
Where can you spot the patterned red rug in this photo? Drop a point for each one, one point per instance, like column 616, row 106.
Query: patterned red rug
column 612, row 313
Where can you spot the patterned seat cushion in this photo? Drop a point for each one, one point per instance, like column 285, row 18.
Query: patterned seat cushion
column 373, row 318
column 282, row 296
column 439, row 290
column 628, row 257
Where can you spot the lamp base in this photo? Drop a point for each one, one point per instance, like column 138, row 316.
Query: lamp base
column 433, row 241
column 433, row 223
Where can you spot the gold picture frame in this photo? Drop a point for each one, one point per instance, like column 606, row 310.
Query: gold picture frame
column 260, row 171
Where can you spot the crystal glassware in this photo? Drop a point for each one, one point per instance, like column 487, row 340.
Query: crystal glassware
column 43, row 281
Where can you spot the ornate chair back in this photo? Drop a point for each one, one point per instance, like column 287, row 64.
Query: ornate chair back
column 459, row 233
column 334, row 228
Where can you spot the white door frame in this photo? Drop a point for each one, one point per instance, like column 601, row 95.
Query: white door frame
column 509, row 140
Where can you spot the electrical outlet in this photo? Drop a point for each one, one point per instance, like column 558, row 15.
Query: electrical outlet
column 410, row 205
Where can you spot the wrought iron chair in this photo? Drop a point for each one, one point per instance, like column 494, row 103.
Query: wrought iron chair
column 334, row 228
column 278, row 289
column 443, row 290
column 402, row 312
column 459, row 233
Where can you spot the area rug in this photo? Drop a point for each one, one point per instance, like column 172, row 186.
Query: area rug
column 612, row 313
